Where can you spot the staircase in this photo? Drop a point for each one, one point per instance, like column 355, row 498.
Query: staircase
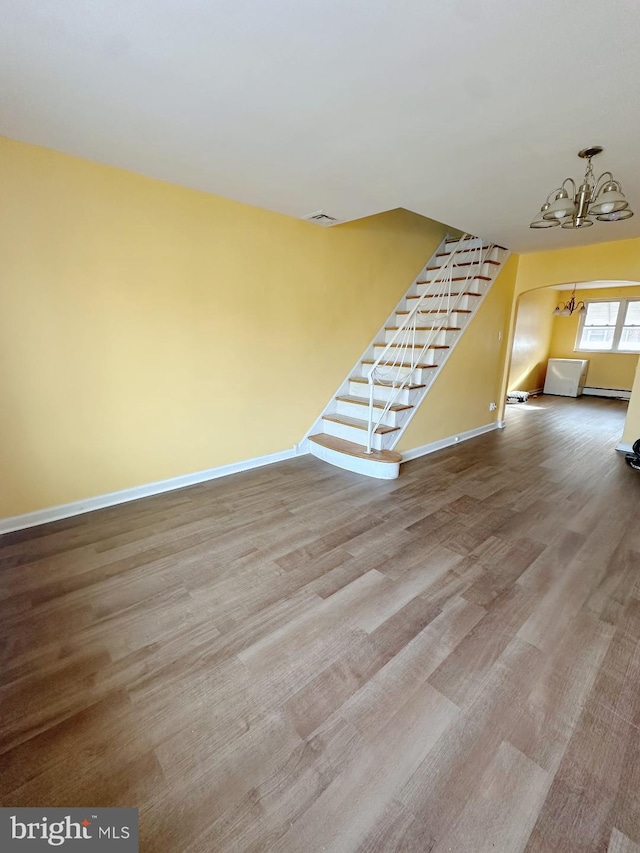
column 364, row 422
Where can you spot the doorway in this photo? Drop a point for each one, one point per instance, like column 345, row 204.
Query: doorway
column 599, row 329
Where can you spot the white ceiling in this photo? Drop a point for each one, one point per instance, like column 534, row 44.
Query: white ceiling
column 465, row 111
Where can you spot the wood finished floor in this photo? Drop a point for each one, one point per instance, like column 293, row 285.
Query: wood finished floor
column 300, row 659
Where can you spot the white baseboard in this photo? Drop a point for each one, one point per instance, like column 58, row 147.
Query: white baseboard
column 433, row 446
column 56, row 513
column 624, row 446
column 616, row 393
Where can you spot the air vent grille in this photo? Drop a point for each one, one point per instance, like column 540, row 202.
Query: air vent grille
column 321, row 218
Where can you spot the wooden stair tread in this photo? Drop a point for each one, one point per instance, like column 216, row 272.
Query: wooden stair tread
column 437, row 311
column 454, row 242
column 362, row 381
column 468, row 264
column 440, row 295
column 347, row 420
column 426, row 328
column 377, row 404
column 404, row 364
column 417, row 346
column 458, row 278
column 463, row 249
column 353, row 449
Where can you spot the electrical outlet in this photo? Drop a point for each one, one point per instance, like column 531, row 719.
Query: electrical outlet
column 492, row 407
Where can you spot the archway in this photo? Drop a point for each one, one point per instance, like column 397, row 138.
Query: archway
column 611, row 349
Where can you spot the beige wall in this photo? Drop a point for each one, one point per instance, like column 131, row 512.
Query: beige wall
column 531, row 340
column 606, row 369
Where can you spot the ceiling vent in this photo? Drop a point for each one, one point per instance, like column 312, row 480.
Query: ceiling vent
column 321, row 218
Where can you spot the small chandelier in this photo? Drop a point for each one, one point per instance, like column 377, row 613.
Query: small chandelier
column 566, row 309
column 602, row 198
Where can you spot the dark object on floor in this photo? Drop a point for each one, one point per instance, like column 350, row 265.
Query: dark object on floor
column 633, row 458
column 517, row 396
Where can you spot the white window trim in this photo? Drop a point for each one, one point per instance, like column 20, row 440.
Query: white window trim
column 617, row 334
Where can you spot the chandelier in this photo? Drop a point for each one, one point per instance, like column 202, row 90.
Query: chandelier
column 566, row 309
column 574, row 207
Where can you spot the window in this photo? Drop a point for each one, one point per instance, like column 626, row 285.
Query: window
column 610, row 326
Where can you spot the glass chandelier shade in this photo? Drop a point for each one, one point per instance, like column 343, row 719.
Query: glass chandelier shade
column 541, row 222
column 561, row 207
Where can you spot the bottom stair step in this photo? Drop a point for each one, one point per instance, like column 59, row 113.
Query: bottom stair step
column 359, row 423
column 381, row 464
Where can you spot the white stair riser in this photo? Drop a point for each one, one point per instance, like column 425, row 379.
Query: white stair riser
column 469, row 243
column 355, row 410
column 429, row 302
column 420, row 376
column 426, row 319
column 404, row 396
column 349, row 433
column 457, row 272
column 465, row 256
column 423, row 337
column 442, row 299
column 389, row 440
column 429, row 356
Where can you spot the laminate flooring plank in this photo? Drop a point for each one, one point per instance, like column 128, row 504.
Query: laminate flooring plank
column 503, row 565
column 32, row 706
column 207, row 780
column 371, row 707
column 619, row 583
column 502, row 812
column 402, row 590
column 372, row 780
column 345, row 570
column 461, row 676
column 550, row 712
column 315, row 702
column 587, row 783
column 260, row 820
column 300, row 658
column 389, row 830
column 619, row 843
column 442, row 784
column 575, row 815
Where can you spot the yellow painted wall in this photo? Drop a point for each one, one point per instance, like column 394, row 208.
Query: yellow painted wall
column 149, row 331
column 531, row 340
column 616, row 261
column 459, row 398
column 606, row 369
column 632, row 424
